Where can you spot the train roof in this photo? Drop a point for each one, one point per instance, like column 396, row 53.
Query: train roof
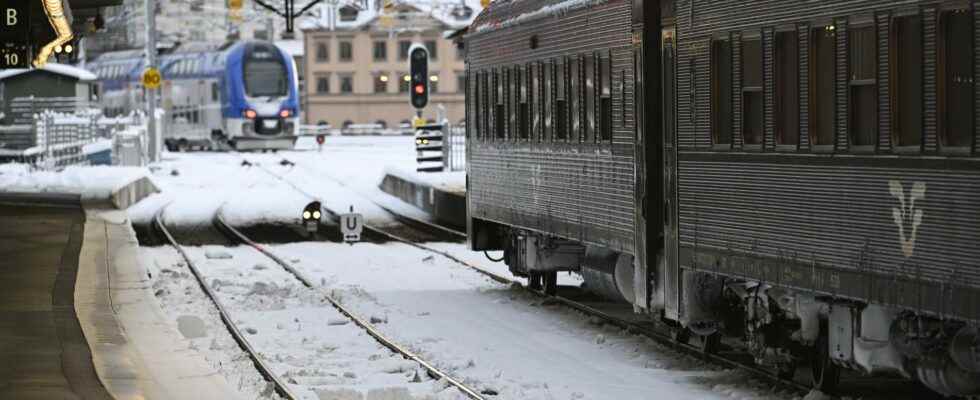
column 504, row 13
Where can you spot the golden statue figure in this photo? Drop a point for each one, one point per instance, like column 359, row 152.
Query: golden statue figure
column 56, row 16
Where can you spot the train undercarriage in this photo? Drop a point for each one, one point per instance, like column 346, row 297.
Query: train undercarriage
column 782, row 328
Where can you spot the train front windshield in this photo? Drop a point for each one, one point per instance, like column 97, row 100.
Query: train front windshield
column 266, row 77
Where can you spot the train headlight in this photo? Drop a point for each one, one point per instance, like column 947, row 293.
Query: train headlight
column 250, row 114
column 286, row 113
column 316, row 215
column 307, row 215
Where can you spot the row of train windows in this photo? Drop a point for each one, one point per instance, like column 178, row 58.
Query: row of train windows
column 112, row 71
column 566, row 99
column 955, row 84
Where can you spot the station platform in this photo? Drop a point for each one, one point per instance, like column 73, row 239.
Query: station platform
column 78, row 319
column 440, row 194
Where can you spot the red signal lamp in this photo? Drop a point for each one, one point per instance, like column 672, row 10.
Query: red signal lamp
column 419, row 89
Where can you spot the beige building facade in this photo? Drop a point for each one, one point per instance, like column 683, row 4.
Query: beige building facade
column 356, row 70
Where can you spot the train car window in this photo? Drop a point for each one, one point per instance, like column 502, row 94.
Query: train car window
column 823, row 82
column 752, row 102
column 575, row 99
column 787, row 90
column 215, row 95
column 499, row 111
column 906, row 82
column 523, row 107
column 588, row 98
column 863, row 63
column 605, row 98
column 532, row 94
column 322, row 52
column 560, row 75
column 486, row 106
column 721, row 92
column 547, row 100
column 511, row 100
column 957, row 83
column 474, row 110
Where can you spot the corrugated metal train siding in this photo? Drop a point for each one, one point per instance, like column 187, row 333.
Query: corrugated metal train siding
column 579, row 191
column 834, row 210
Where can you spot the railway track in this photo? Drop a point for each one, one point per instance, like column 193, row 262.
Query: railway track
column 260, row 365
column 433, row 371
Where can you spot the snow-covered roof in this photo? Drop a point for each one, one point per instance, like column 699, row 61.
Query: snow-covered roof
column 504, row 13
column 441, row 10
column 60, row 69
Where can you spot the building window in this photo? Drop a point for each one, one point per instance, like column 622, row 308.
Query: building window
column 403, row 47
column 460, row 53
column 346, row 51
column 721, row 92
column 348, row 13
column 322, row 52
column 752, row 104
column 863, row 85
column 433, row 48
column 380, row 50
column 381, row 83
column 434, row 83
column 460, row 82
column 823, row 85
column 957, row 83
column 346, row 84
column 906, row 81
column 405, row 83
column 323, row 85
column 787, row 88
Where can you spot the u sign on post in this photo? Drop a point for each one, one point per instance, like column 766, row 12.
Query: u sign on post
column 351, row 225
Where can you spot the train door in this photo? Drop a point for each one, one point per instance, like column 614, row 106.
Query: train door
column 671, row 267
column 648, row 183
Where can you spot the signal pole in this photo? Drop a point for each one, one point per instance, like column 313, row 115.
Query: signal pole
column 153, row 138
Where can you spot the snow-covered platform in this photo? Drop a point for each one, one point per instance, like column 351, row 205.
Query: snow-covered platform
column 136, row 350
column 79, row 318
column 442, row 195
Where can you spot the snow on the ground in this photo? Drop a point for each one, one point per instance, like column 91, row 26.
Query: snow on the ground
column 89, row 181
column 495, row 337
column 306, row 341
column 199, row 322
column 346, row 173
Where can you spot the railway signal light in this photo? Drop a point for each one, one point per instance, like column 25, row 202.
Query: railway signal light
column 418, row 57
column 311, row 217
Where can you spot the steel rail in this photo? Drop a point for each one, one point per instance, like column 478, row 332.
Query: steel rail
column 280, row 387
column 433, row 371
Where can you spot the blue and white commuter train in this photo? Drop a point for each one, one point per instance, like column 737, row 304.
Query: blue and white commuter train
column 244, row 94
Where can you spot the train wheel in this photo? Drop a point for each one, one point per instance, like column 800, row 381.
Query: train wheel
column 534, row 280
column 825, row 375
column 550, row 283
